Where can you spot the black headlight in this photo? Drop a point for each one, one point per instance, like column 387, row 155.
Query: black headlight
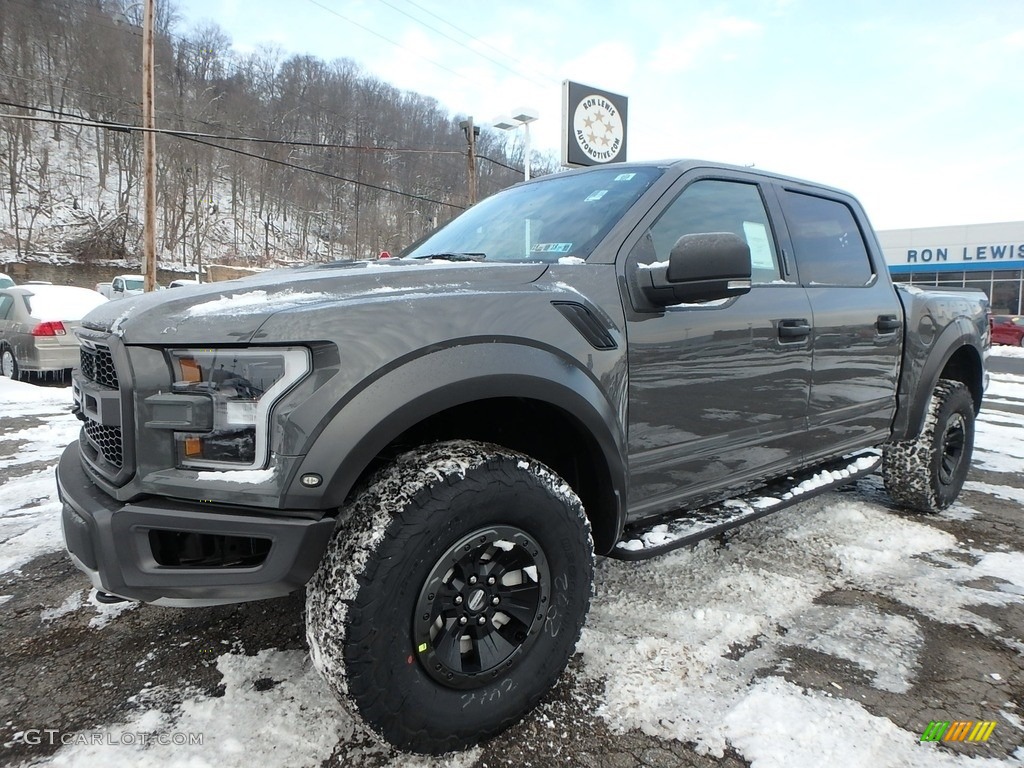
column 243, row 385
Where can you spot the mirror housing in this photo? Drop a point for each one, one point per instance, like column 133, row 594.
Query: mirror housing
column 701, row 267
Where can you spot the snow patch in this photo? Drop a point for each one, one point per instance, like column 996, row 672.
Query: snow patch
column 885, row 645
column 255, row 301
column 29, row 519
column 246, row 476
column 294, row 721
column 803, row 730
column 1004, row 350
column 108, row 612
column 73, row 603
column 571, row 260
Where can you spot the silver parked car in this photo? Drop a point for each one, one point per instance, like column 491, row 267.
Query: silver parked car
column 37, row 324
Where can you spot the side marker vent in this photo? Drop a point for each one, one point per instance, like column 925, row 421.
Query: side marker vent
column 590, row 326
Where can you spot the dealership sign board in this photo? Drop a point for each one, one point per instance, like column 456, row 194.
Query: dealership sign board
column 593, row 125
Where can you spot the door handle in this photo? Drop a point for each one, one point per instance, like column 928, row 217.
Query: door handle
column 794, row 329
column 887, row 323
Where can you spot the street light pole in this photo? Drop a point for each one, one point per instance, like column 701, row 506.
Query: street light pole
column 148, row 149
column 522, row 116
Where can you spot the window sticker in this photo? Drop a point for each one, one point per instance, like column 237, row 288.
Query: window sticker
column 625, row 176
column 552, row 248
column 760, row 246
column 596, row 195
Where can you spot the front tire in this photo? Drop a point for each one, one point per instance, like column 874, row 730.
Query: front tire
column 927, row 473
column 452, row 594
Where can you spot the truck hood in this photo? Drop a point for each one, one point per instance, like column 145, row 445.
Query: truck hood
column 233, row 311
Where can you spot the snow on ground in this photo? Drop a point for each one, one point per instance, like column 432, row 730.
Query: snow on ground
column 676, row 641
column 29, row 509
column 274, row 705
column 1004, row 350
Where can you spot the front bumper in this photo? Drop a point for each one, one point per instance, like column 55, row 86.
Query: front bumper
column 112, row 543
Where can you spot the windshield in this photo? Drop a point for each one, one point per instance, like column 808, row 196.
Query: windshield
column 133, row 285
column 556, row 217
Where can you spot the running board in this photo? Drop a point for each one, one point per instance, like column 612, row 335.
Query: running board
column 693, row 525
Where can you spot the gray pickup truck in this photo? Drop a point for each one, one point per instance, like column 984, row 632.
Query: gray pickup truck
column 619, row 360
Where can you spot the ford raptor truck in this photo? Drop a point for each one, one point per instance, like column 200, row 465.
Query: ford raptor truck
column 619, row 360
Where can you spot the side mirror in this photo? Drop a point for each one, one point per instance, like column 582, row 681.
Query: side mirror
column 701, row 267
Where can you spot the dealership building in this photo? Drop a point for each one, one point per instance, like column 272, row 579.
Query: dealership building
column 985, row 256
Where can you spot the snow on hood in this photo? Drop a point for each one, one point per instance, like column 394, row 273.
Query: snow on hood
column 235, row 310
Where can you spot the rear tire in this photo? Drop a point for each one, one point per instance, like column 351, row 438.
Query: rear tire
column 927, row 473
column 9, row 363
column 451, row 595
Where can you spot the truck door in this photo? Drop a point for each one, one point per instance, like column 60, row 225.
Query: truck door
column 717, row 392
column 857, row 331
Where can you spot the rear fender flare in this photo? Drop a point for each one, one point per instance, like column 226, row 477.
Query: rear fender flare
column 916, row 393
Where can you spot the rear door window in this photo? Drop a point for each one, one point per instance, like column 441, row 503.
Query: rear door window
column 827, row 241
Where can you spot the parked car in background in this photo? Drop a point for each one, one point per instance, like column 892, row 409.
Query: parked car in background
column 6, row 281
column 182, row 282
column 1008, row 329
column 121, row 286
column 37, row 324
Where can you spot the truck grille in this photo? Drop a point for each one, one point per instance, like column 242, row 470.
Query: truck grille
column 97, row 365
column 107, row 441
column 106, row 418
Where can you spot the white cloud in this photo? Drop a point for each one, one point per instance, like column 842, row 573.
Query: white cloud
column 701, row 38
column 1015, row 38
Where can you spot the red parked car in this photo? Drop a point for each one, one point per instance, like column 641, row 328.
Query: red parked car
column 1007, row 329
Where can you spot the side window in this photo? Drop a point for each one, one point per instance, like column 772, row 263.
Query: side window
column 6, row 302
column 721, row 206
column 118, row 284
column 828, row 243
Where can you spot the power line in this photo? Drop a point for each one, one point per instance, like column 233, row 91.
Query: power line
column 293, row 166
column 387, row 39
column 460, row 43
column 187, row 137
column 548, row 79
column 220, row 137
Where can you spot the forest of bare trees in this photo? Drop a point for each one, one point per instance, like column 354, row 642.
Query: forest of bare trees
column 348, row 165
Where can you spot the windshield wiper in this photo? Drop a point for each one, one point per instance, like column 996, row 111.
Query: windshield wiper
column 454, row 256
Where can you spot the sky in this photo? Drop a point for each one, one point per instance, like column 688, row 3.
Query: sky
column 914, row 106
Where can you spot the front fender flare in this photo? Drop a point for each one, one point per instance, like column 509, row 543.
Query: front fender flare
column 428, row 384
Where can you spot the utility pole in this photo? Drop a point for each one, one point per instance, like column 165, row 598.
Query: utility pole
column 148, row 149
column 471, row 132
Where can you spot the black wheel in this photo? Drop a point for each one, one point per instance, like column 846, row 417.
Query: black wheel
column 927, row 473
column 9, row 363
column 452, row 594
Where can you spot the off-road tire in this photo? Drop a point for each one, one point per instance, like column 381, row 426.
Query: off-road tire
column 927, row 473
column 437, row 520
column 9, row 363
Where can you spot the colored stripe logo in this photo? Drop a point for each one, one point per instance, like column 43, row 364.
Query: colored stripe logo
column 958, row 730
